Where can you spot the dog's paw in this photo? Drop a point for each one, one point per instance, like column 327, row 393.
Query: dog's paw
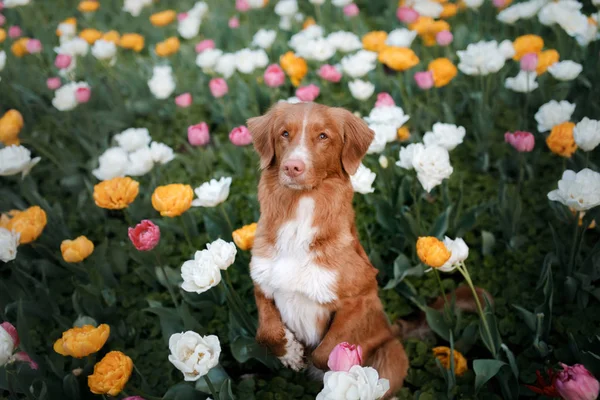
column 294, row 353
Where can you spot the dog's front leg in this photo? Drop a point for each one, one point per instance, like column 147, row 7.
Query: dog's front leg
column 273, row 333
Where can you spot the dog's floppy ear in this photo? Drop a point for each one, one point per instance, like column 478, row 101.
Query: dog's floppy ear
column 261, row 129
column 357, row 138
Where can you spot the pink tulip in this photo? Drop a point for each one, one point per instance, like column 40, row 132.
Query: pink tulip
column 344, row 356
column 1, row 5
column 330, row 73
column 240, row 136
column 145, row 236
column 218, row 87
column 12, row 331
column 234, row 22
column 407, row 15
column 2, row 19
column 33, row 46
column 181, row 16
column 529, row 62
column 62, row 61
column 444, row 38
column 351, row 10
column 521, row 141
column 308, row 93
column 198, row 134
column 499, row 3
column 205, row 45
column 14, row 32
column 274, row 76
column 576, row 383
column 242, row 5
column 384, row 100
column 53, row 83
column 83, row 95
column 183, row 100
column 24, row 357
column 424, row 79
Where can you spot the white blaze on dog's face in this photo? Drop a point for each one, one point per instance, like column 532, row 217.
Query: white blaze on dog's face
column 307, row 142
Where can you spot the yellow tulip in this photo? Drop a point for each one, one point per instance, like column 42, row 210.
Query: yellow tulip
column 374, row 41
column 74, row 251
column 168, row 47
column 403, row 133
column 2, row 35
column 561, row 140
column 527, row 44
column 69, row 21
column 172, row 200
column 244, row 237
column 132, row 41
column 81, row 342
column 450, row 10
column 29, row 223
column 112, row 36
column 19, row 47
column 442, row 353
column 545, row 59
column 11, row 124
column 432, row 251
column 310, row 21
column 111, row 374
column 427, row 28
column 116, row 193
column 90, row 35
column 443, row 71
column 294, row 67
column 398, row 58
column 88, row 6
column 163, row 18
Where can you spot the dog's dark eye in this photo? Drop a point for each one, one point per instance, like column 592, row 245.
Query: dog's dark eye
column 322, row 136
column 285, row 134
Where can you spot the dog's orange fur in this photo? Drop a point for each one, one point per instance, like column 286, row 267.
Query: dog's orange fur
column 357, row 315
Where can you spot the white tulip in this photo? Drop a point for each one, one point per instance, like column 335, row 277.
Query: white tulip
column 212, row 193
column 587, row 134
column 261, row 59
column 579, row 191
column 226, row 65
column 426, row 8
column 344, row 41
column 111, row 164
column 161, row 153
column 362, row 180
column 318, row 49
column 341, row 3
column 361, row 90
column 408, row 154
column 256, row 3
column 264, row 38
column 189, row 27
column 16, row 159
column 382, row 133
column 565, row 13
column 7, row 346
column 134, row 7
column 357, row 65
column 432, row 166
column 15, row 3
column 140, row 162
column 285, row 23
column 383, row 161
column 223, row 253
column 201, row 273
column 446, row 135
column 9, row 241
column 481, row 58
column 104, row 50
column 194, row 355
column 2, row 59
column 401, row 37
column 389, row 115
column 133, row 139
column 199, row 11
column 162, row 83
column 553, row 113
column 507, row 49
column 244, row 61
column 286, row 8
column 459, row 251
column 207, row 60
column 524, row 82
column 565, row 70
column 74, row 47
column 473, row 4
column 64, row 97
column 359, row 383
column 524, row 10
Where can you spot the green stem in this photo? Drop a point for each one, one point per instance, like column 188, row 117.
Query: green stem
column 144, row 381
column 222, row 207
column 185, row 233
column 212, row 389
column 463, row 270
column 574, row 246
column 169, row 288
column 439, row 281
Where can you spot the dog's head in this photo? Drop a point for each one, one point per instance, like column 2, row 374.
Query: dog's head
column 307, row 142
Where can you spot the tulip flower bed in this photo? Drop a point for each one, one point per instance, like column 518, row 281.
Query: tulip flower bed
column 128, row 192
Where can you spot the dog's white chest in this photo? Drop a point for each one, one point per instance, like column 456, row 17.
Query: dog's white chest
column 299, row 286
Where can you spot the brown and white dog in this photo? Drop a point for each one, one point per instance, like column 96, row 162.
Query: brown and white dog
column 314, row 284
